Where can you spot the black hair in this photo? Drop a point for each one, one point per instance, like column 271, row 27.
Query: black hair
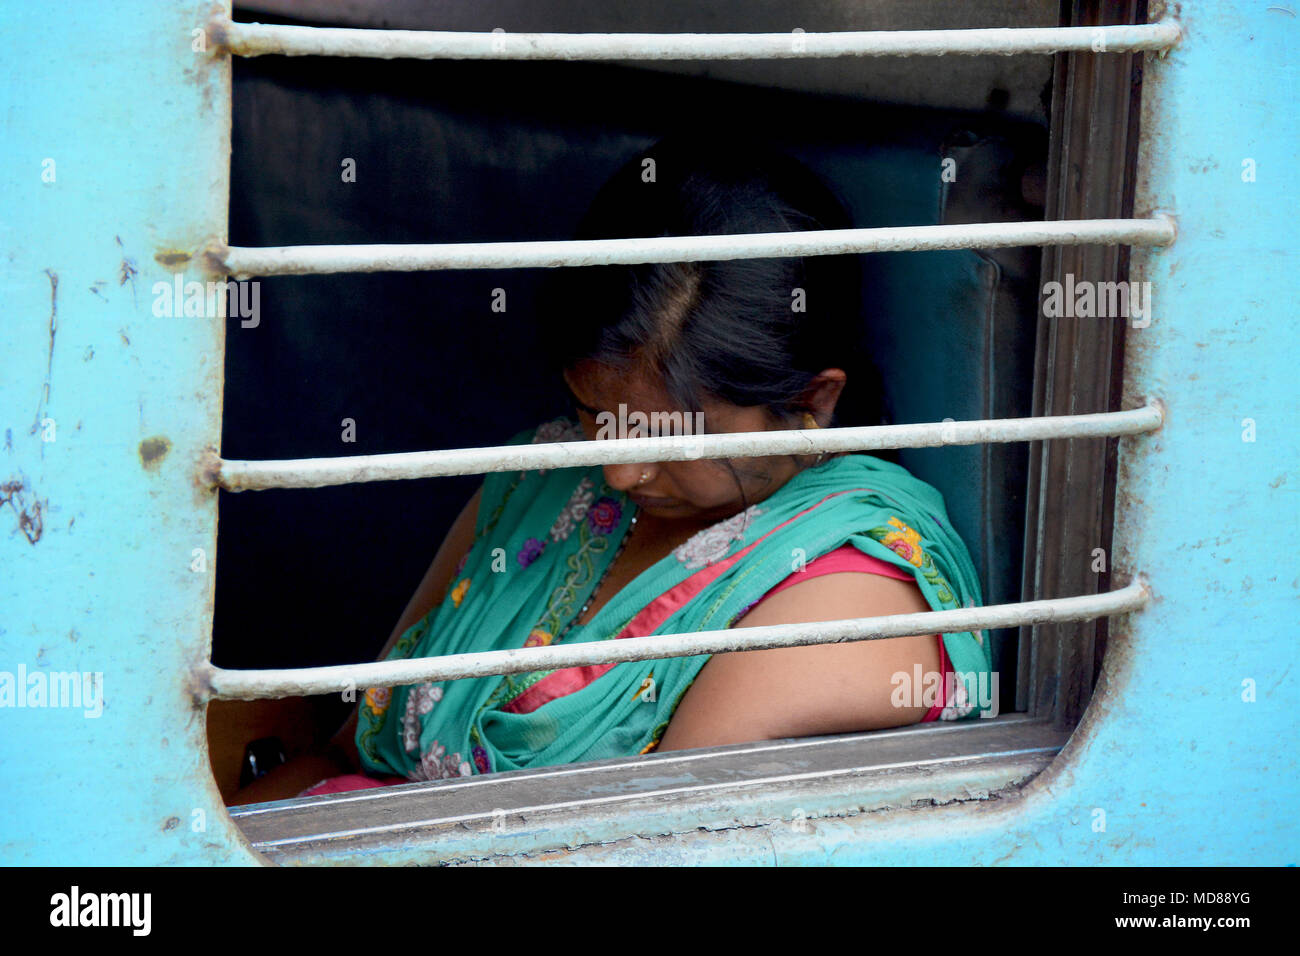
column 726, row 330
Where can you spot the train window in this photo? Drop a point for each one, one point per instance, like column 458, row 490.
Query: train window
column 1008, row 407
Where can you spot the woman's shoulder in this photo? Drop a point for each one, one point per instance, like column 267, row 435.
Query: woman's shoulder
column 808, row 690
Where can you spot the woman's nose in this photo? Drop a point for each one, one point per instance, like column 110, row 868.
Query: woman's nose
column 628, row 477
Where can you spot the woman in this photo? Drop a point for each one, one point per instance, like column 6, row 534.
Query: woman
column 600, row 553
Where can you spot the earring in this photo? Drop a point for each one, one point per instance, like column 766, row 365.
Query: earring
column 645, row 475
column 810, row 422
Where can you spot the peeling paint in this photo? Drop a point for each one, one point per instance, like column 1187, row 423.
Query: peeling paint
column 172, row 258
column 31, row 519
column 126, row 270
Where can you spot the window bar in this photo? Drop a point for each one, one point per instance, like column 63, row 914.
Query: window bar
column 238, row 475
column 243, row 262
column 300, row 682
column 257, row 39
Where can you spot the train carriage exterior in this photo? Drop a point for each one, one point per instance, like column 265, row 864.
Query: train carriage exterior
column 117, row 155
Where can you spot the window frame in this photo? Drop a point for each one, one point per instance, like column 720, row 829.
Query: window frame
column 799, row 784
column 1070, row 496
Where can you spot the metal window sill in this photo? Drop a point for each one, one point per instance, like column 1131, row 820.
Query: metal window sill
column 565, row 808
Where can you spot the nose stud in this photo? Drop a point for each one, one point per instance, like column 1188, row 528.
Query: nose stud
column 645, row 475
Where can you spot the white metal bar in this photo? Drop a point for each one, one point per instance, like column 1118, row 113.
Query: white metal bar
column 243, row 261
column 238, row 475
column 256, row 39
column 299, row 682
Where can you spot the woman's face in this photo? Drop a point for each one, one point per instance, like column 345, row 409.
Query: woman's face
column 694, row 491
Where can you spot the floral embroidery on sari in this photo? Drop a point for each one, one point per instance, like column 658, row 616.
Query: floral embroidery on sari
column 559, row 609
column 906, row 543
column 601, row 520
column 378, row 699
column 713, row 543
column 604, row 515
column 592, row 540
column 437, row 764
column 419, row 702
column 574, row 510
column 479, row 752
column 538, row 638
column 531, row 551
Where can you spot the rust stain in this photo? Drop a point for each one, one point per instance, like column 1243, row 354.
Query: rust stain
column 126, row 271
column 214, row 260
column 172, row 257
column 558, row 856
column 208, row 476
column 31, row 520
column 154, row 450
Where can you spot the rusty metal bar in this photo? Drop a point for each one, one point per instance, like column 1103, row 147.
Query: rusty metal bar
column 301, row 682
column 243, row 262
column 257, row 39
column 237, row 475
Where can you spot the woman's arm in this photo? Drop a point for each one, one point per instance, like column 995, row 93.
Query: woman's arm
column 744, row 696
column 459, row 539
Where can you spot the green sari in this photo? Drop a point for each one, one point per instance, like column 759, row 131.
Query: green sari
column 543, row 540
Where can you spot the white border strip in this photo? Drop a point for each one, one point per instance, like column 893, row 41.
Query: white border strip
column 302, row 682
column 257, row 39
column 243, row 261
column 241, row 475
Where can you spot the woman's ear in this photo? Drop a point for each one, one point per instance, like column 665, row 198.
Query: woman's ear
column 822, row 393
